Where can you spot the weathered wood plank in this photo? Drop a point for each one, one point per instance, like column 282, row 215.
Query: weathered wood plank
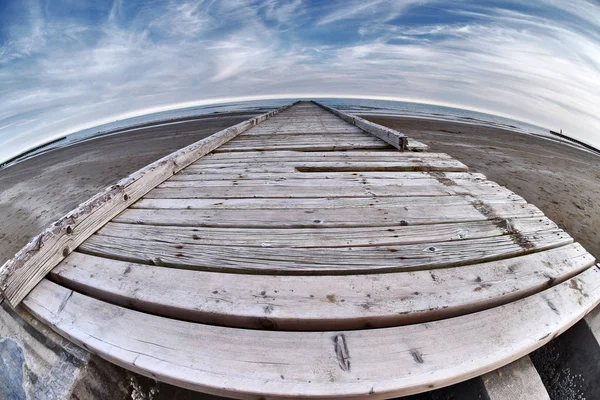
column 223, row 175
column 304, row 142
column 334, row 145
column 318, row 137
column 345, row 203
column 324, row 261
column 432, row 180
column 325, row 237
column 301, row 188
column 391, row 136
column 325, row 156
column 374, row 363
column 415, row 145
column 348, row 166
column 327, row 217
column 319, row 302
column 299, row 128
column 21, row 273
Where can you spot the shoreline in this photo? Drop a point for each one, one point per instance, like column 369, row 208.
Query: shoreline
column 362, row 113
column 43, row 148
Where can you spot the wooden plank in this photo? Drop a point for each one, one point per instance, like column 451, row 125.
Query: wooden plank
column 345, row 203
column 348, row 166
column 391, row 136
column 326, row 188
column 326, row 217
column 304, row 142
column 319, row 137
column 319, row 302
column 325, row 156
column 324, row 261
column 223, row 175
column 331, row 146
column 325, row 237
column 299, row 128
column 415, row 145
column 361, row 182
column 373, row 363
column 21, row 273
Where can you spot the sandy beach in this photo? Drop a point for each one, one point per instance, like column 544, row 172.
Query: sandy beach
column 562, row 181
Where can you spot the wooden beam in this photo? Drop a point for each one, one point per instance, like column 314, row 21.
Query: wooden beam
column 371, row 363
column 319, row 303
column 19, row 275
column 391, row 136
column 324, row 260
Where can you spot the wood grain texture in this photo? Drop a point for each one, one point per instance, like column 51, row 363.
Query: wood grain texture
column 346, row 166
column 21, row 273
column 375, row 363
column 190, row 175
column 325, row 202
column 383, row 216
column 326, row 237
column 391, row 136
column 324, row 261
column 317, row 156
column 321, row 189
column 319, row 302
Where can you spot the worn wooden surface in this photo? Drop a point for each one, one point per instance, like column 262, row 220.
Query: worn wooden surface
column 308, row 222
column 319, row 302
column 21, row 273
column 368, row 363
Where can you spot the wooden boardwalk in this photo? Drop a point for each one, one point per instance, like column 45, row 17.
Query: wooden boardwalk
column 299, row 255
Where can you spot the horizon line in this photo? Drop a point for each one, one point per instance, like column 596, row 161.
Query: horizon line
column 226, row 100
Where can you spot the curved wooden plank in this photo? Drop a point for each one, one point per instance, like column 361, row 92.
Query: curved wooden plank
column 21, row 273
column 188, row 175
column 325, row 203
column 325, row 237
column 281, row 217
column 312, row 303
column 375, row 363
column 324, row 261
column 301, row 188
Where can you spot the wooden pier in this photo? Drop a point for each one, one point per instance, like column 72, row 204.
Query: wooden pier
column 306, row 253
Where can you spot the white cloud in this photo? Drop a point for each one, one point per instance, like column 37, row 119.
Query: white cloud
column 61, row 74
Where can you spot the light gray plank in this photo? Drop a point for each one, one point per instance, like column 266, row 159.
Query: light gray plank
column 326, row 217
column 319, row 302
column 325, row 237
column 375, row 363
column 324, row 261
column 322, row 188
column 345, row 203
column 223, row 175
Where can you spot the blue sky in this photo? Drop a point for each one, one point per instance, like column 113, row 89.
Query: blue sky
column 71, row 64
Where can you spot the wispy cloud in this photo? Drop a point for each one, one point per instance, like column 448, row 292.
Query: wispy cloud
column 64, row 66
